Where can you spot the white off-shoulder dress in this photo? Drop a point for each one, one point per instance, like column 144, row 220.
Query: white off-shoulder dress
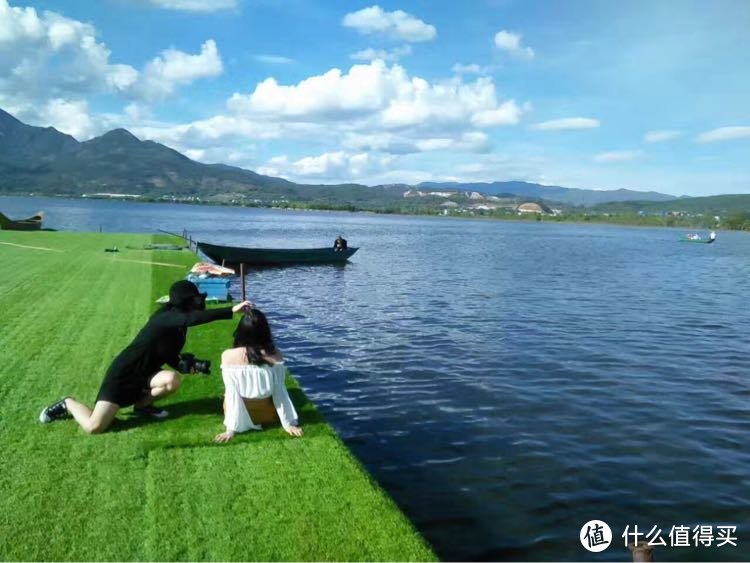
column 255, row 382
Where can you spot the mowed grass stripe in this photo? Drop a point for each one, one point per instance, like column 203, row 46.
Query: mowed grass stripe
column 286, row 500
column 62, row 492
column 61, row 307
column 68, row 496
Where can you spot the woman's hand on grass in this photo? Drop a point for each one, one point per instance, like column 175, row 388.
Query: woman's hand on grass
column 244, row 306
column 224, row 437
column 294, row 431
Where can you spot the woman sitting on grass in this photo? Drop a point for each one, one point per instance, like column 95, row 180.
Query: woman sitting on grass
column 136, row 376
column 254, row 369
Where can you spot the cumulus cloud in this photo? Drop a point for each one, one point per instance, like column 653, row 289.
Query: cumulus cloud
column 375, row 109
column 566, row 124
column 508, row 113
column 174, row 68
column 328, row 166
column 511, row 43
column 387, row 97
column 617, row 156
column 371, row 54
column 660, row 136
column 216, row 131
column 71, row 117
column 194, row 5
column 50, row 65
column 48, row 56
column 724, row 134
column 398, row 24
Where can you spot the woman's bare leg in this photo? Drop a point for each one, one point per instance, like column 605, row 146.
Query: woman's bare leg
column 96, row 421
column 162, row 384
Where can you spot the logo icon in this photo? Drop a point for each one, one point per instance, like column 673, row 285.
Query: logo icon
column 596, row 536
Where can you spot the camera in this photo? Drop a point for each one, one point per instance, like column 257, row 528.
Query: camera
column 190, row 364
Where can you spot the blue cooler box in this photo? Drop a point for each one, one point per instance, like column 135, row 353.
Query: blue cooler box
column 215, row 288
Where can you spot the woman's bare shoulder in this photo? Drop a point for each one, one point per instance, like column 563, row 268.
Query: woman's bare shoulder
column 234, row 356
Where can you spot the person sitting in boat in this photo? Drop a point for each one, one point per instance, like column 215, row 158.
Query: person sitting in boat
column 136, row 377
column 339, row 245
column 254, row 369
column 712, row 235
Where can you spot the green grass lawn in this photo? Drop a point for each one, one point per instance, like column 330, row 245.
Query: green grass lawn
column 156, row 490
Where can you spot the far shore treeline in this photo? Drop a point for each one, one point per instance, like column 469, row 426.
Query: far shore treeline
column 41, row 161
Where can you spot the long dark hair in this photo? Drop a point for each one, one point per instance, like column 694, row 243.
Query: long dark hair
column 254, row 334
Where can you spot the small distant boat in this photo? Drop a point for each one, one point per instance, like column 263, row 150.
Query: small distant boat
column 274, row 256
column 33, row 223
column 694, row 237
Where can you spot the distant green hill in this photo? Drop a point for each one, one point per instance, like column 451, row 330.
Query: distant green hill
column 566, row 196
column 723, row 205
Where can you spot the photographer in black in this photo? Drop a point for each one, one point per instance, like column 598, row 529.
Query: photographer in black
column 136, row 377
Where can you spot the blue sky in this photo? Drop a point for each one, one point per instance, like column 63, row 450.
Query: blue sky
column 593, row 94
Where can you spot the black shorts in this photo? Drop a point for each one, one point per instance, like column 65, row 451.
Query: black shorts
column 125, row 389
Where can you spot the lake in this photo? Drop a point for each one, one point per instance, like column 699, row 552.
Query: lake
column 506, row 382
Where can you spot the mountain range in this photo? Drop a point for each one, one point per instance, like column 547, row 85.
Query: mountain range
column 44, row 161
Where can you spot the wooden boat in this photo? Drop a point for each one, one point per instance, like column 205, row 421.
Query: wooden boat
column 274, row 256
column 33, row 223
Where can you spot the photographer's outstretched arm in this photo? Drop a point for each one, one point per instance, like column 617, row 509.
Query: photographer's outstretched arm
column 194, row 318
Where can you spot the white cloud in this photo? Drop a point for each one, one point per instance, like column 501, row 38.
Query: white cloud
column 375, row 109
column 511, row 43
column 508, row 113
column 364, row 89
column 382, row 96
column 173, row 68
column 567, row 123
column 195, row 5
column 328, row 166
column 724, row 134
column 195, row 154
column 401, row 144
column 138, row 112
column 397, row 24
column 273, row 59
column 617, row 156
column 51, row 56
column 213, row 132
column 50, row 65
column 472, row 68
column 71, row 117
column 371, row 54
column 660, row 136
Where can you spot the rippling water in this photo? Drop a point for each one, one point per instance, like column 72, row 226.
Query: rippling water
column 507, row 382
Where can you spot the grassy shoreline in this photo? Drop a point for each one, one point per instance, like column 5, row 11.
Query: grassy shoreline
column 163, row 490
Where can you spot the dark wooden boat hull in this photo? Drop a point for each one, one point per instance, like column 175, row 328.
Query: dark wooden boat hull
column 698, row 241
column 33, row 223
column 272, row 256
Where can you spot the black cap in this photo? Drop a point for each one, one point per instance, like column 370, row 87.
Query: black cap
column 183, row 292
